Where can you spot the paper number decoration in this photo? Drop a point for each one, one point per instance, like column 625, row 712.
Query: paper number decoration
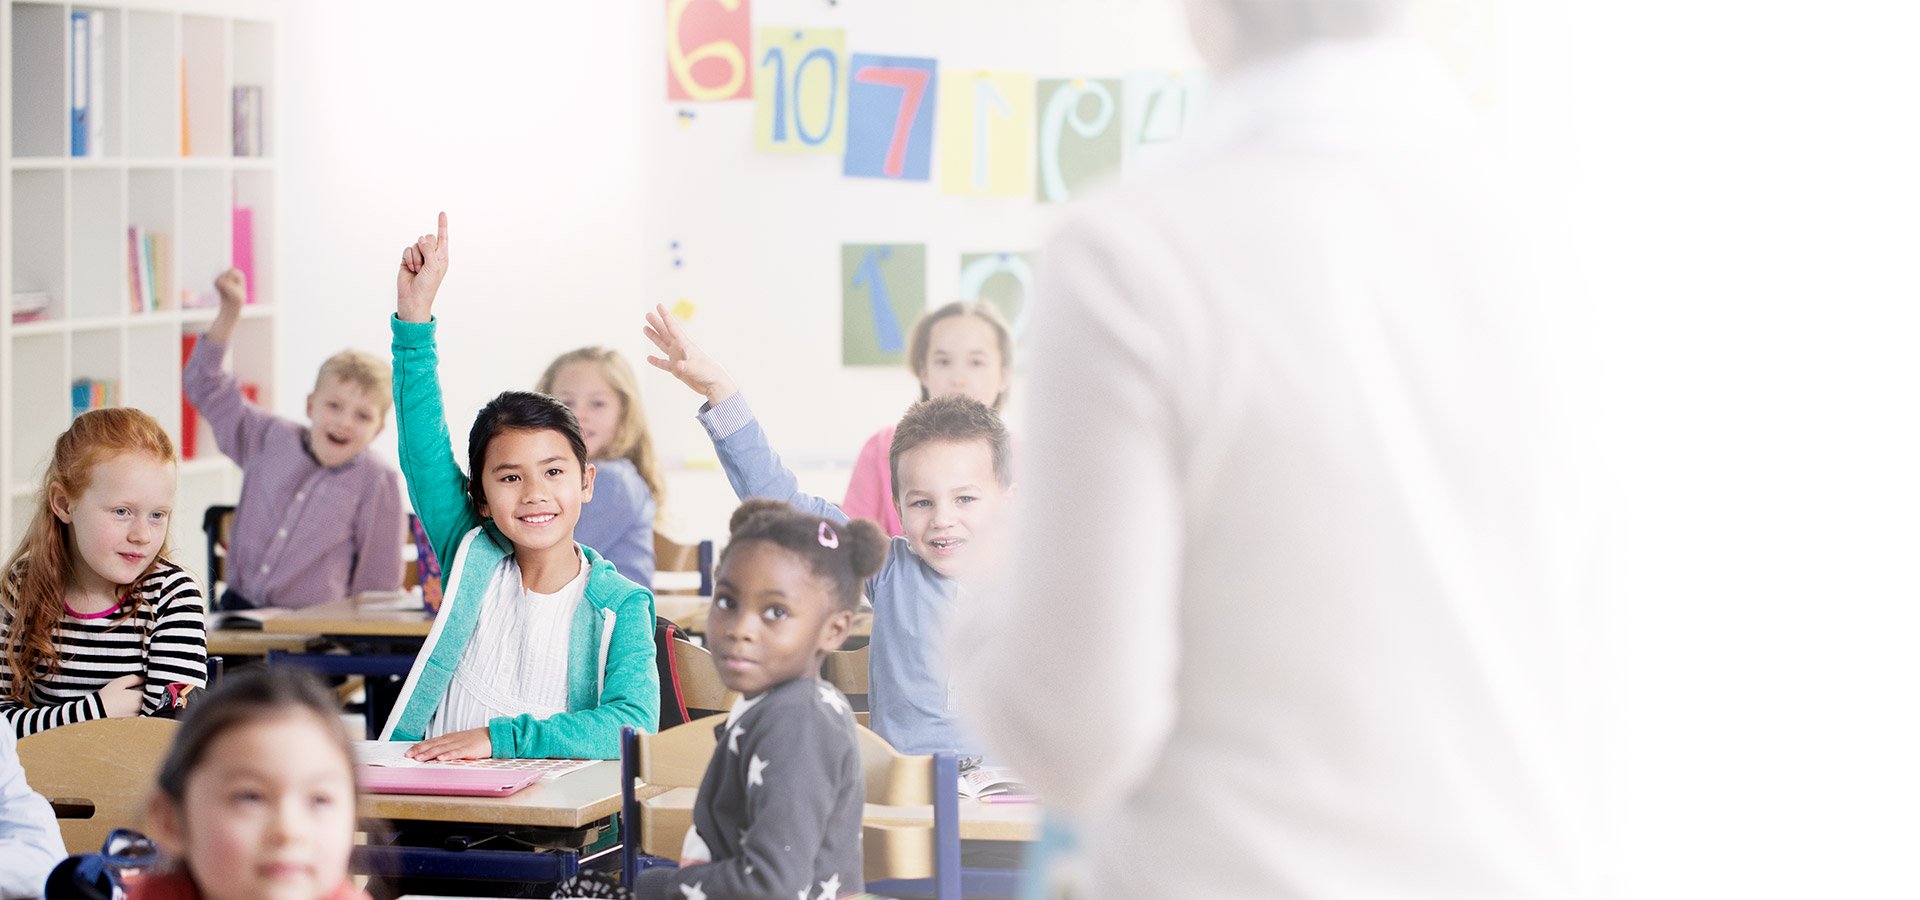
column 707, row 46
column 986, row 126
column 1158, row 104
column 800, row 91
column 1002, row 279
column 890, row 112
column 1080, row 139
column 883, row 291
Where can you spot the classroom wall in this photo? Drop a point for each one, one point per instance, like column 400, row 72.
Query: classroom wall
column 546, row 135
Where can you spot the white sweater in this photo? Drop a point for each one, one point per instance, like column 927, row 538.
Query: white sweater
column 1289, row 613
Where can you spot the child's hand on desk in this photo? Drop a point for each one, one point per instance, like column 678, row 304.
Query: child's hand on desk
column 685, row 360
column 422, row 266
column 472, row 743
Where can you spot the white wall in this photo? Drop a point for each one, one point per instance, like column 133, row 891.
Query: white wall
column 546, row 135
column 1743, row 186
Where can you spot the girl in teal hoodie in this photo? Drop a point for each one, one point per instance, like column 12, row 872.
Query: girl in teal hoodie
column 540, row 649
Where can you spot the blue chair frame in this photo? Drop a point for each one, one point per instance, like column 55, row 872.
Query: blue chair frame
column 375, row 668
column 632, row 860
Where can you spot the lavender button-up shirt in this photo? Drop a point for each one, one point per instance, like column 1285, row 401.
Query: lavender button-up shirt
column 302, row 533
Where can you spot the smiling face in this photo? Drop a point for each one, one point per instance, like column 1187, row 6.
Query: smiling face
column 267, row 813
column 950, row 501
column 773, row 619
column 118, row 525
column 534, row 486
column 594, row 402
column 346, row 417
column 963, row 359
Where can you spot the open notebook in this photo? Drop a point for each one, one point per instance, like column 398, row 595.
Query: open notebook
column 393, row 755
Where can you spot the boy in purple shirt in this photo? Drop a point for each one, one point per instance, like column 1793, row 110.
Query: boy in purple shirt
column 319, row 518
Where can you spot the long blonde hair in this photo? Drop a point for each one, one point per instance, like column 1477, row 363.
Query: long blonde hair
column 632, row 440
column 40, row 567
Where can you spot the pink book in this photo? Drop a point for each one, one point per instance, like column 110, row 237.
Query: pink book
column 243, row 245
column 443, row 780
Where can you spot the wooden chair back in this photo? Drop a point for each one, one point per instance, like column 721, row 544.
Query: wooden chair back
column 678, row 756
column 847, row 670
column 671, row 556
column 700, row 684
column 98, row 774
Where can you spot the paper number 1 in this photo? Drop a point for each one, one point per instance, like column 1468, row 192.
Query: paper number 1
column 886, row 328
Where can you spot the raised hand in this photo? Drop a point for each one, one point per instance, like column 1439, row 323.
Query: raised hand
column 232, row 287
column 423, row 264
column 123, row 696
column 684, row 359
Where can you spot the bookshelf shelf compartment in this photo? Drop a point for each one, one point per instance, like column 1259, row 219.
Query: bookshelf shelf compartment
column 159, row 129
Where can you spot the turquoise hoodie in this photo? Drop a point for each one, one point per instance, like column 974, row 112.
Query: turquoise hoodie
column 611, row 680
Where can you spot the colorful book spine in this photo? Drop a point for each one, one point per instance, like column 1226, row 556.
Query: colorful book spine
column 136, row 268
column 143, row 269
column 80, row 92
column 147, row 301
column 186, row 127
column 248, row 124
column 163, row 295
column 243, row 247
column 189, row 417
column 96, row 82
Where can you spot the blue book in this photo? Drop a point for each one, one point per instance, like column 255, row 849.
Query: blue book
column 80, row 68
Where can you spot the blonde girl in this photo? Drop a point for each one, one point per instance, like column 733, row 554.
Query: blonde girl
column 95, row 622
column 962, row 349
column 599, row 386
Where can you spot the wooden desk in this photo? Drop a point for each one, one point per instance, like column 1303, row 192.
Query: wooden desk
column 574, row 800
column 667, row 814
column 254, row 642
column 352, row 617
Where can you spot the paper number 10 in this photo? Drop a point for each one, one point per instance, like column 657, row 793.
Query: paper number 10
column 777, row 58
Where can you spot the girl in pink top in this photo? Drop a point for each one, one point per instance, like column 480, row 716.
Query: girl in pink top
column 961, row 349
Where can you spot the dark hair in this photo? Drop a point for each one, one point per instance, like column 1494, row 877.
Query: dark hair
column 518, row 411
column 921, row 342
column 243, row 698
column 956, row 419
column 844, row 555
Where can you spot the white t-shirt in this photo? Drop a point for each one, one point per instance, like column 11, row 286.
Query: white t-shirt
column 516, row 663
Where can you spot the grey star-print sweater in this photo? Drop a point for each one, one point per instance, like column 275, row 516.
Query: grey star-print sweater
column 780, row 805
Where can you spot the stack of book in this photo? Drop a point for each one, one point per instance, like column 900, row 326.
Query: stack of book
column 91, row 393
column 149, row 270
column 31, row 306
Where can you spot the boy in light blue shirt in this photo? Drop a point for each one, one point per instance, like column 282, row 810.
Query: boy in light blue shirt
column 29, row 837
column 952, row 478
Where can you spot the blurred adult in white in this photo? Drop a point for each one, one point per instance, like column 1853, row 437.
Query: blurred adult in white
column 29, row 836
column 1293, row 601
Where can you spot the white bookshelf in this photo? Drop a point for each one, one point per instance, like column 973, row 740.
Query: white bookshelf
column 166, row 165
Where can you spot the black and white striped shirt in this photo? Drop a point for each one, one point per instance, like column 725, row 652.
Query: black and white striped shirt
column 164, row 640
